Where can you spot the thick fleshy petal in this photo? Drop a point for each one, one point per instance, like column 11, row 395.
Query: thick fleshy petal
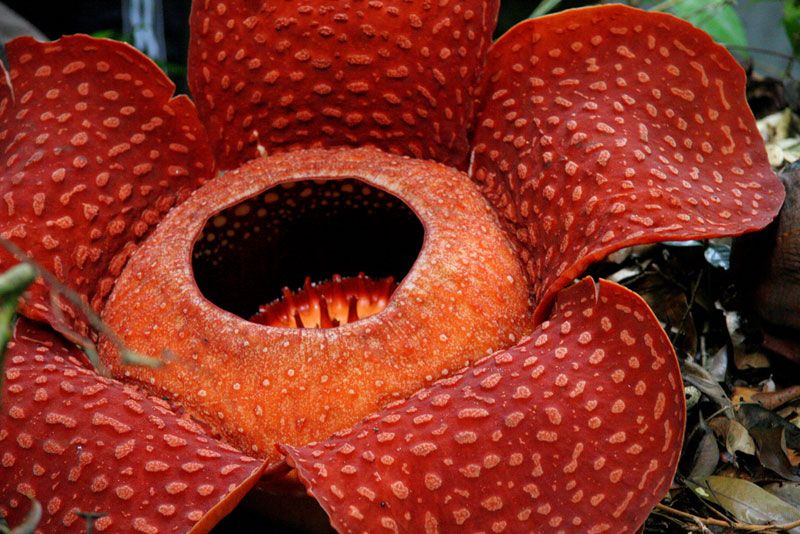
column 76, row 441
column 577, row 428
column 94, row 150
column 396, row 74
column 606, row 127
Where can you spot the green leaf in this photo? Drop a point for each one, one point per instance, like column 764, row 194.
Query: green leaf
column 791, row 23
column 13, row 284
column 105, row 34
column 718, row 18
column 115, row 35
column 545, row 7
column 787, row 491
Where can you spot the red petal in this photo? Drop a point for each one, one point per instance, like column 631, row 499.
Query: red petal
column 95, row 150
column 577, row 428
column 607, row 127
column 397, row 74
column 79, row 442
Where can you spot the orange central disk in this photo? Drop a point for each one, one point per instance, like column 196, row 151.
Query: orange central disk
column 189, row 290
column 330, row 304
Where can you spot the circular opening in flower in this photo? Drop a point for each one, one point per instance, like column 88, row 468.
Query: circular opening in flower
column 314, row 253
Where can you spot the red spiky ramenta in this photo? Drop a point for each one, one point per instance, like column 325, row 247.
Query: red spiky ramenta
column 328, row 304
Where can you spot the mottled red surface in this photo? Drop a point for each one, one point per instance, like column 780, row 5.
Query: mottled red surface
column 95, row 151
column 80, row 442
column 577, row 428
column 595, row 129
column 608, row 127
column 396, row 74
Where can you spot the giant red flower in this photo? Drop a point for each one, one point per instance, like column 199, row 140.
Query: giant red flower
column 585, row 132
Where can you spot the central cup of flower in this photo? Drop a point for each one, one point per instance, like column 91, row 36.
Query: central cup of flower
column 309, row 254
column 190, row 290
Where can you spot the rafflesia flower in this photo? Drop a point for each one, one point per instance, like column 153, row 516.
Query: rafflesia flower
column 316, row 123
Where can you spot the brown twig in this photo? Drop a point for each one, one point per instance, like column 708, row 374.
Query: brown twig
column 710, row 521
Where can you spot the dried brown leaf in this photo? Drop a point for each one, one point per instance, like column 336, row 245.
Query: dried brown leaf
column 706, row 456
column 747, row 502
column 774, row 399
column 702, row 380
column 733, row 434
column 787, row 491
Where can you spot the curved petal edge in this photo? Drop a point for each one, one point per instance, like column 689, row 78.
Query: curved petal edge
column 398, row 74
column 78, row 442
column 577, row 427
column 606, row 127
column 95, row 149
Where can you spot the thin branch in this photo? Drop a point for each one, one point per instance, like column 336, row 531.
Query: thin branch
column 86, row 344
column 689, row 305
column 127, row 355
column 713, row 5
column 31, row 521
column 765, row 51
column 710, row 521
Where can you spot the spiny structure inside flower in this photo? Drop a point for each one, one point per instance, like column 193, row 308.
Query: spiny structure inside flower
column 329, row 304
column 310, row 229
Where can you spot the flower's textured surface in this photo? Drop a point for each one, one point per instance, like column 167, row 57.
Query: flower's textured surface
column 595, row 129
column 577, row 428
column 607, row 127
column 79, row 442
column 290, row 385
column 396, row 74
column 95, row 151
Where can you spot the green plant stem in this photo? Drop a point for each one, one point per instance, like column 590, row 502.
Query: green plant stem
column 90, row 518
column 58, row 289
column 17, row 279
column 712, row 5
column 31, row 521
column 13, row 284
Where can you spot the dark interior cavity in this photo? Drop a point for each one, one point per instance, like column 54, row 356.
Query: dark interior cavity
column 248, row 253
